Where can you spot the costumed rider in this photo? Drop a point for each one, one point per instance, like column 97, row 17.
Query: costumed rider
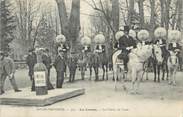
column 126, row 43
column 160, row 35
column 174, row 46
column 143, row 37
column 61, row 43
column 118, row 35
column 100, row 41
column 86, row 43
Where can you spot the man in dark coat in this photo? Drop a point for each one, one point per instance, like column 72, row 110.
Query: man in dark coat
column 31, row 60
column 162, row 43
column 46, row 59
column 60, row 66
column 126, row 43
column 7, row 71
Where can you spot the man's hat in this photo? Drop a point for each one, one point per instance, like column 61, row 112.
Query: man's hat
column 1, row 52
column 126, row 28
column 31, row 49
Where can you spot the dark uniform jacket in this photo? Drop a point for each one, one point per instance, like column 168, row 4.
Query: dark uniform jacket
column 31, row 60
column 125, row 42
column 87, row 49
column 102, row 48
column 162, row 43
column 46, row 59
column 60, row 63
column 174, row 46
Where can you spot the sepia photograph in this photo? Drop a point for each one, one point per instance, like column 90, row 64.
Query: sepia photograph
column 91, row 58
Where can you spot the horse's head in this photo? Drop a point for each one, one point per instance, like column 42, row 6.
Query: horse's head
column 142, row 53
column 157, row 52
column 173, row 59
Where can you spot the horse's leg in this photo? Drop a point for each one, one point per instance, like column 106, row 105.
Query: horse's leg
column 163, row 71
column 115, row 75
column 82, row 72
column 70, row 77
column 154, row 67
column 103, row 69
column 106, row 71
column 171, row 75
column 174, row 75
column 133, row 76
column 139, row 77
column 96, row 73
column 159, row 66
column 90, row 72
column 167, row 72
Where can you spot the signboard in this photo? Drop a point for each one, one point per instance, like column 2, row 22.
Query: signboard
column 40, row 78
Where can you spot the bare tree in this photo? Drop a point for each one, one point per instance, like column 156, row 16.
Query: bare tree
column 70, row 26
column 26, row 18
column 130, row 12
column 141, row 12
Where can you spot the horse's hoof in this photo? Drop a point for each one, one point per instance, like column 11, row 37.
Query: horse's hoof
column 132, row 92
column 138, row 93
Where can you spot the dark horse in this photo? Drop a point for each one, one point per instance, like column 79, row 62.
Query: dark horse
column 159, row 60
column 97, row 60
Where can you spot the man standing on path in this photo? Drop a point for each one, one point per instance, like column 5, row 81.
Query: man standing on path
column 46, row 59
column 31, row 60
column 7, row 70
column 60, row 66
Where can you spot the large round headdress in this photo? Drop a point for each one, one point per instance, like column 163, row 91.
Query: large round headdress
column 174, row 35
column 85, row 40
column 119, row 34
column 132, row 33
column 143, row 35
column 99, row 39
column 60, row 39
column 160, row 32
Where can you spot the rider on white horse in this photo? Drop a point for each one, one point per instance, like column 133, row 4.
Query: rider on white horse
column 126, row 43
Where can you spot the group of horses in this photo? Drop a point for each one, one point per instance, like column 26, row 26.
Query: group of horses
column 141, row 59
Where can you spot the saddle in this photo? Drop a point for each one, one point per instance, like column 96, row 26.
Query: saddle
column 119, row 61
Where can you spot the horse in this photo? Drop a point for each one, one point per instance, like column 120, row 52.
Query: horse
column 82, row 62
column 137, row 57
column 96, row 60
column 72, row 65
column 159, row 62
column 173, row 64
column 118, row 67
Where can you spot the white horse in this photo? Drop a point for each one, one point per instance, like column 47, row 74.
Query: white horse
column 118, row 67
column 137, row 57
column 173, row 63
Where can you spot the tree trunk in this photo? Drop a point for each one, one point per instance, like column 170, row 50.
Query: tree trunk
column 141, row 12
column 130, row 12
column 63, row 17
column 167, row 17
column 74, row 23
column 162, row 3
column 115, row 14
column 180, row 15
column 152, row 19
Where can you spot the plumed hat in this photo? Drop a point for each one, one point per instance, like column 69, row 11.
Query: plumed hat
column 119, row 34
column 143, row 35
